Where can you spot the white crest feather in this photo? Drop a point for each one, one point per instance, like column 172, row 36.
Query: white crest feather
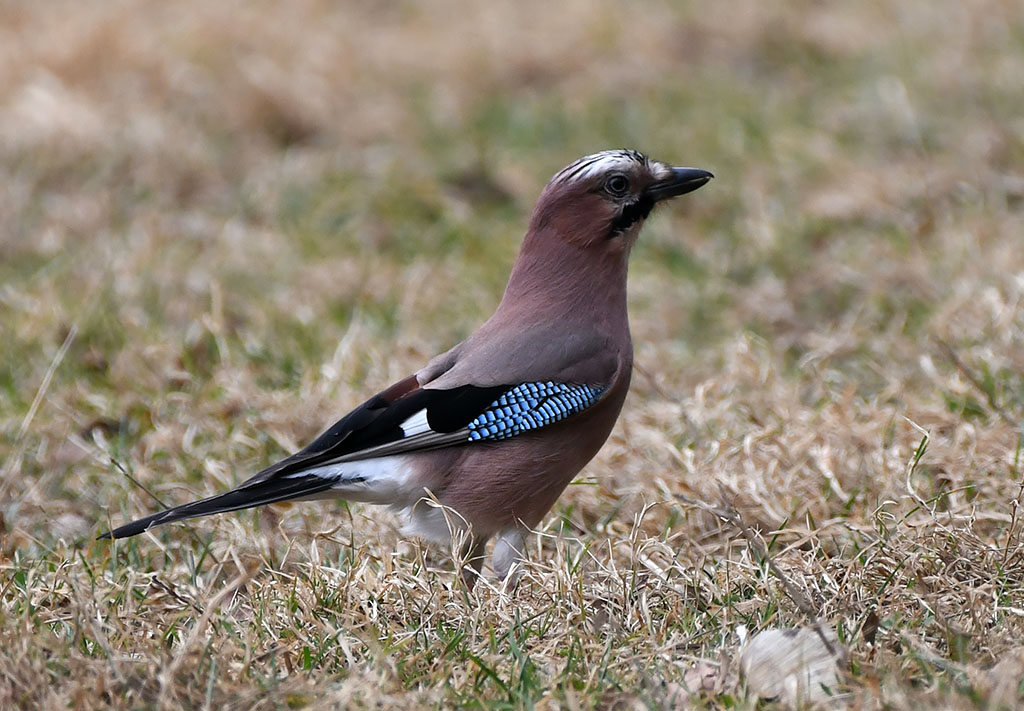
column 603, row 162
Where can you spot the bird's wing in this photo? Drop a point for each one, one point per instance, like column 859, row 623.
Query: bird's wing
column 409, row 417
column 427, row 418
column 416, row 419
column 472, row 393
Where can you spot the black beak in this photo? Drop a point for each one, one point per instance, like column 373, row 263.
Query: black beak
column 679, row 182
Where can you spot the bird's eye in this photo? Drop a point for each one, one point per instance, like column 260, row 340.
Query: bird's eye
column 617, row 185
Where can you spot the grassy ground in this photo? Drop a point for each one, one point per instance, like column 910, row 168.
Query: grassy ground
column 222, row 224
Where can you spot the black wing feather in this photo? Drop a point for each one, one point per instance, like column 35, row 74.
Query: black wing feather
column 377, row 422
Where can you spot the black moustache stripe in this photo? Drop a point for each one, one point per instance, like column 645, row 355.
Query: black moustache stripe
column 631, row 214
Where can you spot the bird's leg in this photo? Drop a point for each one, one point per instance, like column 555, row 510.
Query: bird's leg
column 508, row 553
column 471, row 559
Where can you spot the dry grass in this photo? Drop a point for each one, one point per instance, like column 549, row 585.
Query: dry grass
column 223, row 224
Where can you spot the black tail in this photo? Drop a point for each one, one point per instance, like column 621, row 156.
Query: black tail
column 244, row 497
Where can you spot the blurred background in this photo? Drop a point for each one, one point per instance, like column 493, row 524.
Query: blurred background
column 223, row 224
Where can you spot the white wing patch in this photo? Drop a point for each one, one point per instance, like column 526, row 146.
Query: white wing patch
column 416, row 424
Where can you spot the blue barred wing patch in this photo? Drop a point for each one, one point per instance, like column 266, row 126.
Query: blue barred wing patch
column 530, row 406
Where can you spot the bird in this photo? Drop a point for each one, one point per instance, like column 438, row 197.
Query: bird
column 484, row 438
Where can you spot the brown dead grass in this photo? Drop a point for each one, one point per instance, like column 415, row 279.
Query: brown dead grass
column 223, row 224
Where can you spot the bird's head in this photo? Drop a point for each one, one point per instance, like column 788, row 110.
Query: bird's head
column 602, row 200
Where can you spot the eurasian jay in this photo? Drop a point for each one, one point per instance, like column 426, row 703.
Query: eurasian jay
column 495, row 428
